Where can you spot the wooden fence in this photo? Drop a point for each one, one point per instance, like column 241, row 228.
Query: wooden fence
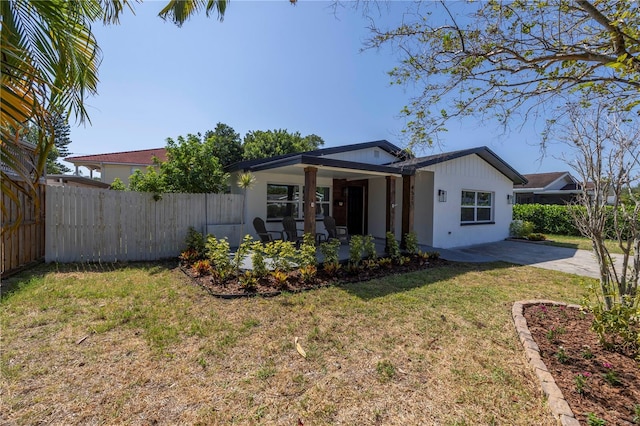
column 26, row 243
column 93, row 225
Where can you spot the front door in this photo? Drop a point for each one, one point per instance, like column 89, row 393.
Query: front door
column 355, row 210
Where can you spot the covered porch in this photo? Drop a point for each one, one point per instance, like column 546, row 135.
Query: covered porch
column 368, row 199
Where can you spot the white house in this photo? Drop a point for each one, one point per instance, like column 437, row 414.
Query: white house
column 452, row 199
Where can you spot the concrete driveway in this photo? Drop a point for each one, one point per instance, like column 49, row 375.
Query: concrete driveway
column 572, row 261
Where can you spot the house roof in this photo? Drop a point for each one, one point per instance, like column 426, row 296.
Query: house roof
column 315, row 157
column 140, row 157
column 482, row 151
column 79, row 179
column 542, row 180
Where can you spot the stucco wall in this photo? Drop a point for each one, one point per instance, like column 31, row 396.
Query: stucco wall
column 378, row 207
column 112, row 171
column 468, row 173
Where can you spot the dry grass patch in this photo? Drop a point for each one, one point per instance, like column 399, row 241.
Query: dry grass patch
column 436, row 346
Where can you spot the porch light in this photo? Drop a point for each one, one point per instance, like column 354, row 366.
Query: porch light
column 442, row 195
column 509, row 199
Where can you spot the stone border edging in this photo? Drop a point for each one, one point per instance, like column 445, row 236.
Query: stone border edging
column 558, row 405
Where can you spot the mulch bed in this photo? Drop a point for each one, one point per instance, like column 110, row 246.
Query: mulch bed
column 267, row 286
column 570, row 348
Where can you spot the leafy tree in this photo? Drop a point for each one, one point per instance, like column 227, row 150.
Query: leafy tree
column 192, row 166
column 226, row 144
column 508, row 58
column 117, row 185
column 264, row 144
column 607, row 156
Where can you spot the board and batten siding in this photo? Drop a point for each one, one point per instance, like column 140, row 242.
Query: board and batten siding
column 93, row 225
column 466, row 173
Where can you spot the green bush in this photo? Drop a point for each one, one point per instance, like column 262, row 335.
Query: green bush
column 411, row 242
column 195, row 241
column 558, row 219
column 520, row 228
column 329, row 251
column 307, row 251
column 547, row 218
column 218, row 254
column 355, row 250
column 369, row 247
column 393, row 249
column 618, row 328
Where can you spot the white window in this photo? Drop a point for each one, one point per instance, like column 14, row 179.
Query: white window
column 477, row 207
column 288, row 200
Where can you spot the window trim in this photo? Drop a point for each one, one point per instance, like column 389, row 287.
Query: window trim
column 476, row 206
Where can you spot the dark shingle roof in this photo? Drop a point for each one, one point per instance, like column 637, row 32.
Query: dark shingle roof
column 541, row 180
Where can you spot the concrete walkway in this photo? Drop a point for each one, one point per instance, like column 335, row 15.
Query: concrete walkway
column 572, row 261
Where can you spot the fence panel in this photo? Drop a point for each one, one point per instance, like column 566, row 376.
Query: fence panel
column 86, row 224
column 26, row 243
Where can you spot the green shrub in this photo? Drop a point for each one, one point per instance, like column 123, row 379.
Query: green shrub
column 242, row 252
column 307, row 251
column 520, row 228
column 195, row 241
column 218, row 254
column 355, row 250
column 618, row 327
column 547, row 218
column 329, row 250
column 369, row 247
column 283, row 254
column 411, row 242
column 257, row 259
column 393, row 249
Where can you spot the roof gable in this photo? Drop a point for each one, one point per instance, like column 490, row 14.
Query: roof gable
column 483, row 152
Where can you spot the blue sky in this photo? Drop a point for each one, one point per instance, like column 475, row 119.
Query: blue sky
column 268, row 65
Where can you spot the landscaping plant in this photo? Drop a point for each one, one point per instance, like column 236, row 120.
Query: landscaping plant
column 411, row 243
column 329, row 250
column 195, row 241
column 307, row 251
column 355, row 251
column 257, row 259
column 369, row 247
column 393, row 249
column 218, row 254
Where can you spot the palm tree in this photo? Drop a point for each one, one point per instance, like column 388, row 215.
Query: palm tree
column 245, row 181
column 49, row 61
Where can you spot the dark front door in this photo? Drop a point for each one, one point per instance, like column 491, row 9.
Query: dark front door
column 355, row 210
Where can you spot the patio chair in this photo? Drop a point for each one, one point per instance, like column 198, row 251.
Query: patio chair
column 337, row 232
column 261, row 230
column 293, row 234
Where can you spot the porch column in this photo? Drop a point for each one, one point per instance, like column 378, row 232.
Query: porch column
column 310, row 174
column 391, row 207
column 408, row 197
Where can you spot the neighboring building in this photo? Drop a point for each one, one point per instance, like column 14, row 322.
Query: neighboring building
column 548, row 188
column 452, row 199
column 118, row 164
column 73, row 180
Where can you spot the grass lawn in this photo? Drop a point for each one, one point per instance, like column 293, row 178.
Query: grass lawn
column 581, row 243
column 140, row 344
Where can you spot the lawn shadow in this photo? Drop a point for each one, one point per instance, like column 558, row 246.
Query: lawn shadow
column 399, row 283
column 21, row 279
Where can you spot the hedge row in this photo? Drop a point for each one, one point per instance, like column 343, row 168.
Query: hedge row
column 555, row 219
column 547, row 218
